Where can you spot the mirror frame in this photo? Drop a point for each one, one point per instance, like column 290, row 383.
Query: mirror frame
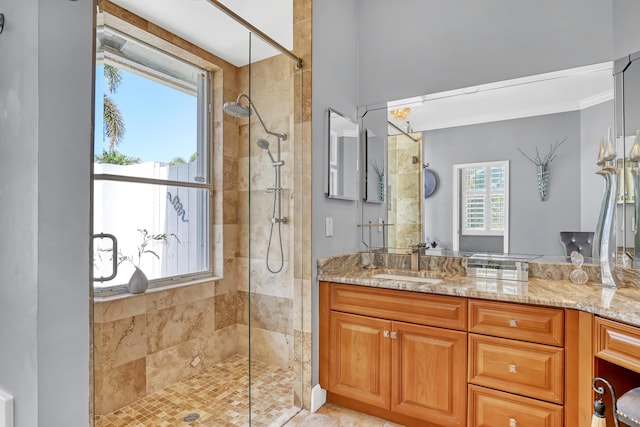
column 332, row 155
column 628, row 191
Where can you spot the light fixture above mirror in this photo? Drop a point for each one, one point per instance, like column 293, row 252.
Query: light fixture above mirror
column 400, row 114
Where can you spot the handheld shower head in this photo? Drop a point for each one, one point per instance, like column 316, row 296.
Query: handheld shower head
column 264, row 144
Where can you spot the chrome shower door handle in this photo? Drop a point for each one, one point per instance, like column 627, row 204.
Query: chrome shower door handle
column 114, row 258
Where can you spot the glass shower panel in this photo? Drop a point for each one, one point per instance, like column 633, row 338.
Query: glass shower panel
column 273, row 306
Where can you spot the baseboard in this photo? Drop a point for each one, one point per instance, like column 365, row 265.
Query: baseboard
column 318, row 397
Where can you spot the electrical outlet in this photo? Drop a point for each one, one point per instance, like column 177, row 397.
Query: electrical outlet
column 328, row 227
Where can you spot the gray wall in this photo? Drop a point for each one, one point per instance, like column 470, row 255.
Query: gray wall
column 45, row 140
column 534, row 225
column 626, row 31
column 334, row 83
column 414, row 47
column 594, row 122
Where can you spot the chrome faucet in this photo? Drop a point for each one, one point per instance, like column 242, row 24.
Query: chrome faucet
column 415, row 255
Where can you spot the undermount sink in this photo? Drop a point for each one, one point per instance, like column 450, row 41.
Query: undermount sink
column 408, row 278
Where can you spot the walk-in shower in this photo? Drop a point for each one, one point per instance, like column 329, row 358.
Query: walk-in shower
column 236, row 109
column 229, row 343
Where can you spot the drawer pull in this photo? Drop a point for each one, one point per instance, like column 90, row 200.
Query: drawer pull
column 512, row 369
column 513, row 323
column 385, row 334
column 512, row 422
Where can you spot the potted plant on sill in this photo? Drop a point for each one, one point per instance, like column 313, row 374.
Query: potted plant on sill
column 138, row 283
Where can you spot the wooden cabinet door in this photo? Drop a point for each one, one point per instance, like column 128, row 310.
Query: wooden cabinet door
column 429, row 373
column 359, row 358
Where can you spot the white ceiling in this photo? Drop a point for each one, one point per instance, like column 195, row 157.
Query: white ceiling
column 204, row 25
column 560, row 91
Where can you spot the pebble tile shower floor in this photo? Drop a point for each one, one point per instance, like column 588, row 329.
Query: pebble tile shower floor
column 220, row 397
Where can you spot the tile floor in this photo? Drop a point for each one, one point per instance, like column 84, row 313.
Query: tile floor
column 219, row 395
column 331, row 415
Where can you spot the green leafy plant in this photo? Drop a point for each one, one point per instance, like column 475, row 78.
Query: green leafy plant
column 115, row 157
column 143, row 248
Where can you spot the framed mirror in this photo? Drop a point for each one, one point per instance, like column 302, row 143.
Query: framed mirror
column 343, row 162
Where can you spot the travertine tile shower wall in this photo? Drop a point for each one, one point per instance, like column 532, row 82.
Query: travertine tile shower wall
column 269, row 309
column 146, row 342
column 405, row 210
column 280, row 307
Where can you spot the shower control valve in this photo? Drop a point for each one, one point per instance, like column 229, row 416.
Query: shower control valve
column 282, row 220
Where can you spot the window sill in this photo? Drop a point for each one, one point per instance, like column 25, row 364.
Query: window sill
column 111, row 295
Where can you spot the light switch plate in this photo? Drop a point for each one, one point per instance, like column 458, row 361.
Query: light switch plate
column 6, row 409
column 328, row 227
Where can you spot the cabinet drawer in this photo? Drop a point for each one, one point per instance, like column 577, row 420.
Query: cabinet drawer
column 528, row 323
column 533, row 370
column 489, row 408
column 617, row 343
column 413, row 307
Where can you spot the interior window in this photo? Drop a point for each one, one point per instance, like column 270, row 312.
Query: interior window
column 484, row 199
column 152, row 181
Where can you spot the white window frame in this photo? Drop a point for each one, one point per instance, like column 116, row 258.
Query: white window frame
column 457, row 205
column 205, row 145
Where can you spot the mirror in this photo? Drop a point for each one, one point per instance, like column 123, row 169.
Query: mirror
column 343, row 156
column 627, row 88
column 405, row 187
column 375, row 183
column 489, row 123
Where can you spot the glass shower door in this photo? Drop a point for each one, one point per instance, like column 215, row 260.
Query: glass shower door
column 272, row 301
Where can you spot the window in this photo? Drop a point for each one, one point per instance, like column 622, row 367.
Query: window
column 483, row 198
column 152, row 162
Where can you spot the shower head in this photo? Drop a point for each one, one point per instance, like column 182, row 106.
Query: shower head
column 236, row 109
column 264, row 144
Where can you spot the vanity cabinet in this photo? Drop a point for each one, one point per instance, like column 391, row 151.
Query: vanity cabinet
column 379, row 357
column 434, row 360
column 517, row 350
column 617, row 343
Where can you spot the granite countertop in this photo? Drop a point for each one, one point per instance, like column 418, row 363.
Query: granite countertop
column 620, row 304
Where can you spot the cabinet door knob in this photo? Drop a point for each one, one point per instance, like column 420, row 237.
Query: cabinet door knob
column 513, row 323
column 512, row 369
column 385, row 334
column 512, row 422
column 394, row 335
